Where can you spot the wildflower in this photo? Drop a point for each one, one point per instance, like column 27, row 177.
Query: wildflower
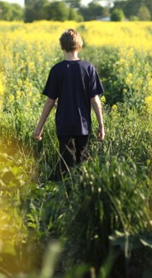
column 11, row 98
column 121, row 61
column 114, row 107
column 27, row 104
column 30, row 94
column 150, row 83
column 103, row 100
column 129, row 79
column 18, row 94
column 124, row 90
column 19, row 82
column 148, row 104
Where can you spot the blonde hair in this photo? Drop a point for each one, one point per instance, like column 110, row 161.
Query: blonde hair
column 71, row 40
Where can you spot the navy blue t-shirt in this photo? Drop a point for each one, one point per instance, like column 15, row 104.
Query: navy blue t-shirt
column 73, row 83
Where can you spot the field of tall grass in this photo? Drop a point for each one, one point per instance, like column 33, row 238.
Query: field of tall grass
column 103, row 228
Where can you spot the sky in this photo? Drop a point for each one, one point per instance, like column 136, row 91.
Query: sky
column 21, row 2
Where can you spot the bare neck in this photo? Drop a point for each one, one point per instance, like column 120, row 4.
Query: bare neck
column 71, row 56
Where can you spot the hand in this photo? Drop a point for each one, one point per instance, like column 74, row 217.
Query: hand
column 101, row 133
column 37, row 134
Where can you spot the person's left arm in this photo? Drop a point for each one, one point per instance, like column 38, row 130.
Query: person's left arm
column 96, row 89
column 96, row 104
column 45, row 113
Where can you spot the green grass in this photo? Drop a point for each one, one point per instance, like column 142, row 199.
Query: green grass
column 106, row 219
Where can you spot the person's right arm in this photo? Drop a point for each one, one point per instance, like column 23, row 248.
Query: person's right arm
column 45, row 113
column 96, row 104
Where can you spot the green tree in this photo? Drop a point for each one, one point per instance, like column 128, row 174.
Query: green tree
column 149, row 6
column 74, row 15
column 11, row 12
column 5, row 11
column 73, row 3
column 17, row 12
column 117, row 15
column 36, row 10
column 93, row 11
column 131, row 7
column 133, row 18
column 58, row 11
column 144, row 13
column 121, row 4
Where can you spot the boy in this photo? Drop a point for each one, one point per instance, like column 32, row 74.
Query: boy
column 76, row 85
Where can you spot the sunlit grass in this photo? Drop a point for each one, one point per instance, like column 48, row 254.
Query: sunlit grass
column 33, row 210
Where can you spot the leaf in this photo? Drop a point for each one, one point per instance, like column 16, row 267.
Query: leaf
column 16, row 170
column 146, row 242
column 50, row 259
column 8, row 176
column 77, row 272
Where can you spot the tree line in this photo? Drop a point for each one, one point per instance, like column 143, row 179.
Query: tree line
column 59, row 10
column 134, row 9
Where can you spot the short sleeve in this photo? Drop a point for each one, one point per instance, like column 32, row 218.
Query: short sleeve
column 51, row 87
column 96, row 87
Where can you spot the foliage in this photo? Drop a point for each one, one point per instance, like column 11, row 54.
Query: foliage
column 132, row 7
column 55, row 10
column 16, row 173
column 104, row 199
column 74, row 3
column 75, row 10
column 11, row 12
column 102, row 225
column 121, row 77
column 117, row 15
column 144, row 13
column 35, row 10
column 133, row 18
column 93, row 11
column 61, row 12
column 58, row 11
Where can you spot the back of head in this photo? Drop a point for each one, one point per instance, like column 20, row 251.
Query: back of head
column 71, row 40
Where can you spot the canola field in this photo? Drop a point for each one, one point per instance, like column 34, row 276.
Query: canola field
column 117, row 179
column 27, row 51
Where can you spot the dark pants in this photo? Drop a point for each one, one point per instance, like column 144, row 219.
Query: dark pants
column 73, row 150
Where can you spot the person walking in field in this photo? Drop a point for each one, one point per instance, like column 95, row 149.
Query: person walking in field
column 76, row 85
